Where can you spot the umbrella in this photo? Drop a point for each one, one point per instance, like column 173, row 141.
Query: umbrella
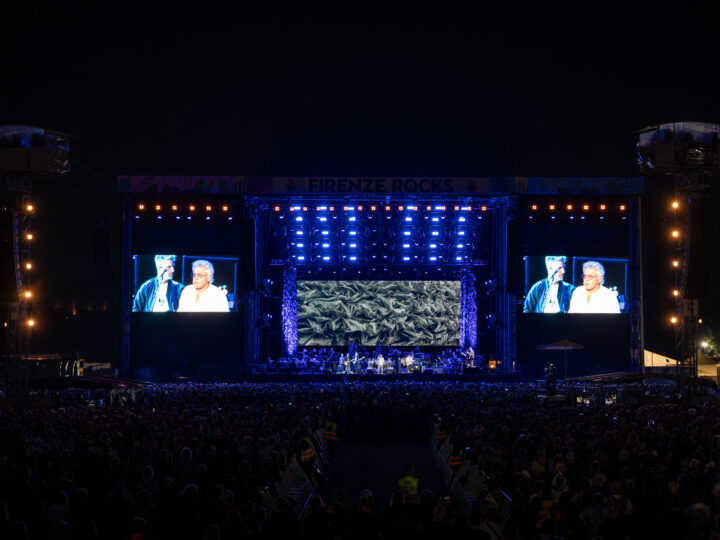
column 564, row 345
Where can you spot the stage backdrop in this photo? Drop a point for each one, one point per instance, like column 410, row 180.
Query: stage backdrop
column 400, row 313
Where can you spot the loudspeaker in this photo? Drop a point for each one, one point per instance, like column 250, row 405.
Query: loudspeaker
column 515, row 264
column 700, row 250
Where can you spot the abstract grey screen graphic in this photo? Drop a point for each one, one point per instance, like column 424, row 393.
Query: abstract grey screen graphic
column 400, row 313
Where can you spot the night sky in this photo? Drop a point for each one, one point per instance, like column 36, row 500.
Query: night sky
column 369, row 90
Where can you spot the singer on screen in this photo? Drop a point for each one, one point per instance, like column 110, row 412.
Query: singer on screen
column 160, row 293
column 593, row 296
column 552, row 294
column 202, row 295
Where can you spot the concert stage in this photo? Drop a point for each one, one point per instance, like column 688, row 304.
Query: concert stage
column 314, row 268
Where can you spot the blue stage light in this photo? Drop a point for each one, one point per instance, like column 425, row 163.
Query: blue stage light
column 406, row 233
column 326, row 245
column 300, row 245
column 433, row 246
column 299, row 233
column 408, row 219
column 301, row 257
column 433, row 258
column 326, row 258
column 436, row 219
column 458, row 258
column 406, row 258
column 461, row 233
column 351, row 218
column 325, row 233
column 299, row 218
column 353, row 258
column 460, row 246
column 353, row 233
column 323, row 219
column 435, row 233
column 353, row 245
column 461, row 218
column 406, row 246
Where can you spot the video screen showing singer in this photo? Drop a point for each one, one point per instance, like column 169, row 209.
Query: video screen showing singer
column 593, row 296
column 551, row 294
column 202, row 295
column 161, row 293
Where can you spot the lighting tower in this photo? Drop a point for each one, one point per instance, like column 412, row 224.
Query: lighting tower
column 688, row 153
column 26, row 153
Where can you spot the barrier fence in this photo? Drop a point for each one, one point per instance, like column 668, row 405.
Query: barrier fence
column 469, row 483
column 293, row 483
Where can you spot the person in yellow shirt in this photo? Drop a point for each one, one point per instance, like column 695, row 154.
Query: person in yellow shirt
column 409, row 484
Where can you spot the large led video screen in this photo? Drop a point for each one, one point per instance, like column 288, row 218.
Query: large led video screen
column 177, row 283
column 399, row 313
column 575, row 284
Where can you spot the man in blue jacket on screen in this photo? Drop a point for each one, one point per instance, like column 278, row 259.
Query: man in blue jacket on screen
column 552, row 294
column 159, row 294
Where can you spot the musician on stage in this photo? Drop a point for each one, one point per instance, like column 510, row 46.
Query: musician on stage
column 408, row 362
column 380, row 362
column 470, row 355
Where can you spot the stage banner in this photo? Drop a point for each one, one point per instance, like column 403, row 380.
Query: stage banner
column 390, row 185
column 299, row 185
column 180, row 184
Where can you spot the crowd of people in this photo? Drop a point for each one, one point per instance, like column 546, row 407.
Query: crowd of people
column 192, row 460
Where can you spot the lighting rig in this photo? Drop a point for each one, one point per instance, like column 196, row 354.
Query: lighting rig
column 398, row 234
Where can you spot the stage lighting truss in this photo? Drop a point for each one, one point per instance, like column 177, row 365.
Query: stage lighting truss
column 332, row 232
column 181, row 211
column 578, row 209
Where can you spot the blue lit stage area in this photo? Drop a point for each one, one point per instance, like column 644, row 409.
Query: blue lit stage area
column 362, row 278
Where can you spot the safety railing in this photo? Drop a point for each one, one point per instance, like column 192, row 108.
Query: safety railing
column 293, row 483
column 469, row 483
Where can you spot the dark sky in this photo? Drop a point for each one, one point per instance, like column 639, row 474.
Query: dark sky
column 369, row 90
column 383, row 91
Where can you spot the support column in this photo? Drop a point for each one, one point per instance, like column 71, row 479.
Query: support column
column 127, row 292
column 289, row 311
column 505, row 209
column 468, row 309
column 634, row 292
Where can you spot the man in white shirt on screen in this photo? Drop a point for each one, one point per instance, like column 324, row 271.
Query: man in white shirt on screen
column 203, row 295
column 593, row 297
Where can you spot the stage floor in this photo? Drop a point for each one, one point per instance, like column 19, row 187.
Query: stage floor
column 405, row 377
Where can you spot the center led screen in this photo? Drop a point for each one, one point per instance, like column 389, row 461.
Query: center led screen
column 399, row 313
